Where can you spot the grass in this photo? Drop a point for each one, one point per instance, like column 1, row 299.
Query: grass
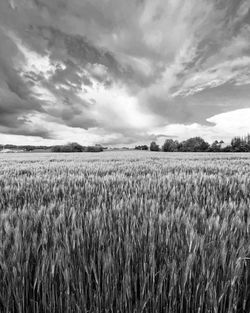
column 125, row 232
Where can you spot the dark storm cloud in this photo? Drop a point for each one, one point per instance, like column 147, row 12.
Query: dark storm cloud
column 75, row 47
column 14, row 118
column 16, row 98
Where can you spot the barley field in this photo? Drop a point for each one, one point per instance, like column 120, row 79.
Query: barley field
column 125, row 232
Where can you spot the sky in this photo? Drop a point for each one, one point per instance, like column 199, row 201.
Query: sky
column 117, row 72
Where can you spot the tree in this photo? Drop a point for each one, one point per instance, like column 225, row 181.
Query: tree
column 75, row 147
column 56, row 149
column 154, row 146
column 240, row 144
column 215, row 146
column 143, row 147
column 170, row 145
column 196, row 144
column 227, row 149
column 93, row 149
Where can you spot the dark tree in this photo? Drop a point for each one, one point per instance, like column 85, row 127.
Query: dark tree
column 170, row 145
column 143, row 147
column 75, row 147
column 196, row 144
column 215, row 146
column 240, row 144
column 154, row 146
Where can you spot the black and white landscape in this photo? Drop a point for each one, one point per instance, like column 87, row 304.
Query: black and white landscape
column 124, row 156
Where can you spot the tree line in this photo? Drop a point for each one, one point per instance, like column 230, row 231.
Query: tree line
column 75, row 147
column 70, row 147
column 198, row 144
column 195, row 144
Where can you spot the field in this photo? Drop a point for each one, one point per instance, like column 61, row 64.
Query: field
column 125, row 232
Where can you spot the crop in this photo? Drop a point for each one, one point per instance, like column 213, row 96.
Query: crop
column 125, row 232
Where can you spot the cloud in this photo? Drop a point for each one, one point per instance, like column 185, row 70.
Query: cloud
column 223, row 127
column 236, row 71
column 121, row 68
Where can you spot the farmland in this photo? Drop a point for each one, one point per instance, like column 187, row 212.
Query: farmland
column 125, row 232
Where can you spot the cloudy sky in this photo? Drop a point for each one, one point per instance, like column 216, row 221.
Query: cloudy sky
column 123, row 72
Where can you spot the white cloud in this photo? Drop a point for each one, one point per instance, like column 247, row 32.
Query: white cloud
column 226, row 126
column 115, row 108
column 234, row 123
column 34, row 62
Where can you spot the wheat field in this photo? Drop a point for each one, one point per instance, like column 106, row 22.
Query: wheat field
column 125, row 232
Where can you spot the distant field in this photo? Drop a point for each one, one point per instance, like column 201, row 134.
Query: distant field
column 125, row 232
